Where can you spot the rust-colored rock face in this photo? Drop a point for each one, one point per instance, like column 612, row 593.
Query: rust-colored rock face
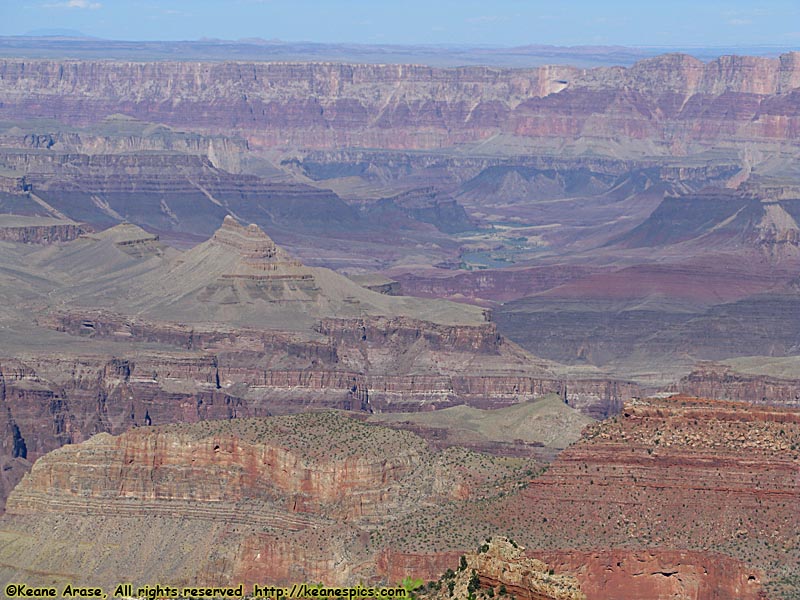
column 683, row 478
column 665, row 99
column 712, row 380
column 633, row 574
column 501, row 567
column 55, row 400
column 676, row 498
column 283, row 499
column 649, row 211
column 218, row 469
column 673, row 498
column 236, row 327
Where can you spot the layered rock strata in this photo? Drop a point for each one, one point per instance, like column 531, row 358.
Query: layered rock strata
column 671, row 99
column 678, row 497
column 680, row 475
column 500, row 567
column 714, row 380
column 43, row 231
column 236, row 327
column 307, row 488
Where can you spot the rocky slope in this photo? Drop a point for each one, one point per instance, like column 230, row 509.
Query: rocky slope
column 680, row 496
column 715, row 219
column 757, row 386
column 164, row 190
column 284, row 499
column 118, row 331
column 501, row 566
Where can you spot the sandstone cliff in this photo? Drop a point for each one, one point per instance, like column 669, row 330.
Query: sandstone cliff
column 283, row 499
column 714, row 380
column 677, row 497
column 668, row 99
column 38, row 230
column 501, row 566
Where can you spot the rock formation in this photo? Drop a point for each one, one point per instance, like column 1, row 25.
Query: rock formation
column 678, row 496
column 29, row 230
column 651, row 216
column 284, row 499
column 725, row 382
column 501, row 566
column 671, row 99
column 138, row 333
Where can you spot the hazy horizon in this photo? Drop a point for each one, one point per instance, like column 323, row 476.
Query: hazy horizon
column 501, row 24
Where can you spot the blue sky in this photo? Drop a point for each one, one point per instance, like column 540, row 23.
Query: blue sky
column 674, row 23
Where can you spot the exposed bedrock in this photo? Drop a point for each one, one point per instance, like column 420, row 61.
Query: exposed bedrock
column 59, row 400
column 713, row 380
column 482, row 339
column 653, row 573
column 673, row 498
column 679, row 474
column 219, row 468
column 664, row 99
column 42, row 234
column 55, row 400
column 169, row 191
column 501, row 567
column 283, row 498
column 499, row 285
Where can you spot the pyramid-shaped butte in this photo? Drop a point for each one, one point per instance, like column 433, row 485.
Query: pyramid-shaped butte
column 240, row 277
column 258, row 256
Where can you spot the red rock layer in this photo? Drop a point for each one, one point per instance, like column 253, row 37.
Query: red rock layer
column 673, row 476
column 712, row 380
column 501, row 567
column 655, row 574
column 281, row 500
column 665, row 99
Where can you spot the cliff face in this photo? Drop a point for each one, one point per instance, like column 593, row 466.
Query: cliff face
column 656, row 573
column 501, row 567
column 239, row 328
column 54, row 400
column 665, row 99
column 676, row 474
column 42, row 234
column 164, row 190
column 284, row 499
column 206, row 465
column 712, row 380
column 673, row 498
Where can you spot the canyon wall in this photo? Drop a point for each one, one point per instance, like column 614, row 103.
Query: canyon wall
column 42, row 234
column 709, row 488
column 713, row 380
column 670, row 100
column 282, row 500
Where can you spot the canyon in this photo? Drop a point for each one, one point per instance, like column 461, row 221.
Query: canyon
column 348, row 321
column 665, row 100
column 270, row 491
column 134, row 333
column 679, row 496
